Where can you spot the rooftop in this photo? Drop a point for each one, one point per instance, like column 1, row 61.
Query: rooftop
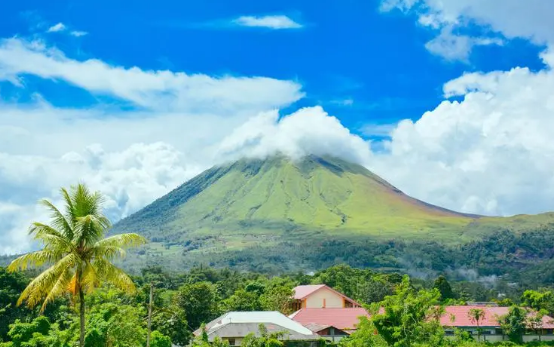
column 274, row 321
column 458, row 316
column 340, row 318
column 301, row 292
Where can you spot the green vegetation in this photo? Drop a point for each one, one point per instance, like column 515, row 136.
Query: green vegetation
column 183, row 301
column 279, row 215
column 78, row 255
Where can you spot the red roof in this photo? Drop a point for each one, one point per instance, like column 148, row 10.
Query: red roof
column 301, row 292
column 340, row 318
column 458, row 316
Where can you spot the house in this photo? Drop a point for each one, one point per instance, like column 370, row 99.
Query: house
column 459, row 317
column 330, row 323
column 325, row 311
column 320, row 296
column 233, row 327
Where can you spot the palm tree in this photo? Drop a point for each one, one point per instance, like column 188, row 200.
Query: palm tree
column 476, row 315
column 79, row 256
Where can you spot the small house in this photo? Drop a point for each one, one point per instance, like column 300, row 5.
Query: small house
column 233, row 327
column 320, row 296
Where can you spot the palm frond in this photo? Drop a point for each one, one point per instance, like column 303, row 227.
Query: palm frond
column 59, row 221
column 108, row 252
column 70, row 210
column 108, row 272
column 90, row 278
column 88, row 230
column 59, row 288
column 42, row 285
column 122, row 241
column 51, row 237
column 34, row 259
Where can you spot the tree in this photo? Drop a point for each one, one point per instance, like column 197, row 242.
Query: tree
column 514, row 324
column 199, row 302
column 160, row 340
column 11, row 285
column 173, row 323
column 365, row 335
column 476, row 315
column 535, row 322
column 442, row 285
column 538, row 300
column 115, row 324
column 409, row 317
column 79, row 256
column 277, row 296
column 265, row 339
column 243, row 300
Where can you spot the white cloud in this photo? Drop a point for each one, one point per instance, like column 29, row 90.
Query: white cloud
column 272, row 22
column 307, row 131
column 160, row 90
column 490, row 153
column 56, row 28
column 58, row 152
column 129, row 179
column 78, row 33
column 512, row 18
column 457, row 47
column 143, row 153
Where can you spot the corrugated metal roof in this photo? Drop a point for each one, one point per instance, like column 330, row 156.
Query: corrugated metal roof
column 256, row 318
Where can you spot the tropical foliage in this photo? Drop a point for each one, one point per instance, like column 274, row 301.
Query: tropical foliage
column 116, row 318
column 78, row 257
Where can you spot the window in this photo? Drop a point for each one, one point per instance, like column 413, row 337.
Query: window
column 231, row 342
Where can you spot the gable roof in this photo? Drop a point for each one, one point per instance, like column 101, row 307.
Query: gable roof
column 254, row 319
column 302, row 292
column 458, row 316
column 340, row 318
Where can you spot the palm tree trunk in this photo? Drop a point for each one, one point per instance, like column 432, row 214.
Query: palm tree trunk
column 150, row 314
column 82, row 316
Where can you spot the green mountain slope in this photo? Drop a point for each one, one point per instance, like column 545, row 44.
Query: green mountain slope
column 266, row 203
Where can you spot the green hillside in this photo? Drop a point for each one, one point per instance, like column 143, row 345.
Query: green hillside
column 272, row 204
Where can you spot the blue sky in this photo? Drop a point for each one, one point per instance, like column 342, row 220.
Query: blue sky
column 362, row 65
column 448, row 100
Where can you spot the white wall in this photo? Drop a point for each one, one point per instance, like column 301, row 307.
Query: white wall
column 332, row 299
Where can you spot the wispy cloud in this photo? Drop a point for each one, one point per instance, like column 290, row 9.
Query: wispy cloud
column 57, row 28
column 378, row 130
column 272, row 22
column 60, row 27
column 78, row 33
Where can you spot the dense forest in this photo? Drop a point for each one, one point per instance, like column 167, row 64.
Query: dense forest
column 183, row 301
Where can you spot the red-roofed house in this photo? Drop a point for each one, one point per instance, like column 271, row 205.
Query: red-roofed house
column 320, row 296
column 332, row 323
column 459, row 317
column 325, row 311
